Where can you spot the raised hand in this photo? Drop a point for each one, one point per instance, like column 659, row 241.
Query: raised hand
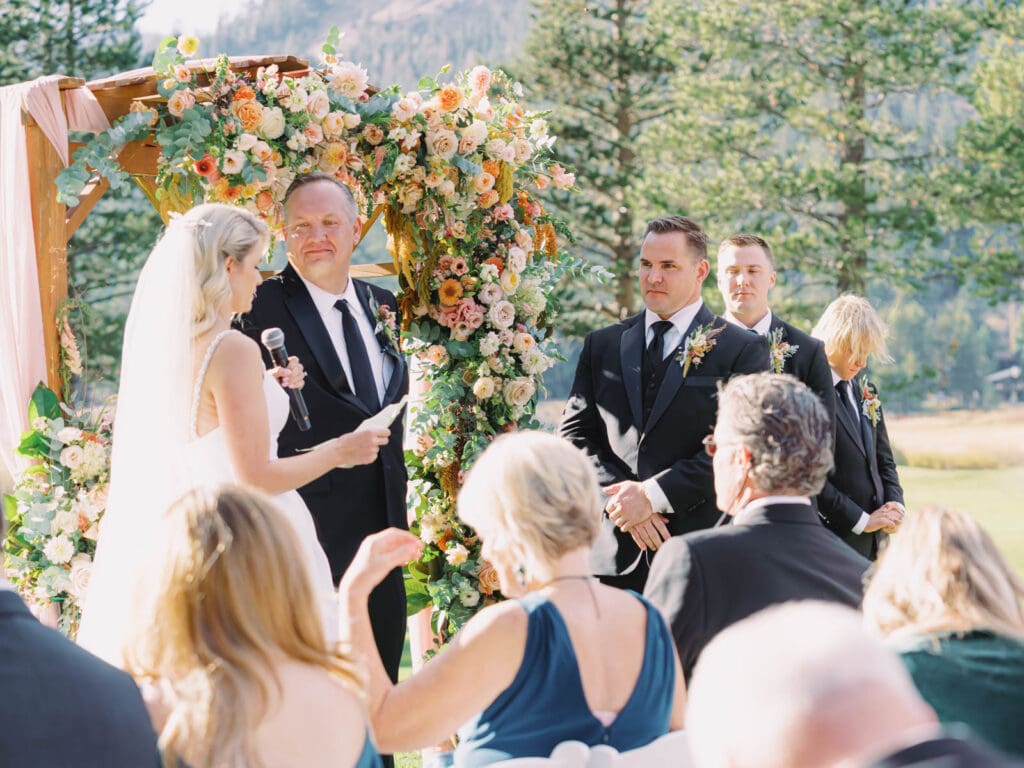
column 378, row 555
column 292, row 377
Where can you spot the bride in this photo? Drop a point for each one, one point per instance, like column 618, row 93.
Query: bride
column 196, row 407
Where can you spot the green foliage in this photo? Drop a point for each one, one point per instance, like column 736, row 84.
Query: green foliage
column 84, row 38
column 99, row 156
column 607, row 68
column 802, row 121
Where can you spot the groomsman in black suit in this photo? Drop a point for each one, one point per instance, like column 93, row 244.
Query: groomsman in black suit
column 645, row 395
column 771, row 452
column 862, row 500
column 746, row 273
column 333, row 325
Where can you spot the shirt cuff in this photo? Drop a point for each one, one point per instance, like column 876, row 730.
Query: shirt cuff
column 657, row 497
column 862, row 523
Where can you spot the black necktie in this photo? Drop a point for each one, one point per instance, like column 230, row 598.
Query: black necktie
column 843, row 391
column 362, row 374
column 653, row 359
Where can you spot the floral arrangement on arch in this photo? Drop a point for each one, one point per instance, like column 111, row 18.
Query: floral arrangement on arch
column 54, row 513
column 454, row 168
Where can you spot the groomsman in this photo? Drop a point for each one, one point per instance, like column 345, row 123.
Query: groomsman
column 644, row 397
column 746, row 273
column 862, row 500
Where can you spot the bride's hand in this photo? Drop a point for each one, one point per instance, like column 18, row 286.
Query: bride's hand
column 378, row 555
column 292, row 377
column 360, row 447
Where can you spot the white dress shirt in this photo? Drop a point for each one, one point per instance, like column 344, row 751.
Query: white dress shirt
column 381, row 364
column 673, row 338
column 761, row 327
column 745, row 514
column 836, row 378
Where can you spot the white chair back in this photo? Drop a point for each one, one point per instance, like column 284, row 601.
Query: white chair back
column 669, row 751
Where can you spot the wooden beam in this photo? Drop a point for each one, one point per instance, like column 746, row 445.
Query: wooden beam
column 384, row 269
column 49, row 225
column 87, row 200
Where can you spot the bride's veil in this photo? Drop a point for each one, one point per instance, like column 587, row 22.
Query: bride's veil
column 152, row 427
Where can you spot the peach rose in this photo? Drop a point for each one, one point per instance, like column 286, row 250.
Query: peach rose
column 314, row 133
column 488, row 578
column 484, row 388
column 519, row 391
column 180, row 102
column 449, row 98
column 373, row 135
column 487, row 199
column 442, row 143
column 262, row 151
column 483, row 182
column 334, row 124
column 318, row 105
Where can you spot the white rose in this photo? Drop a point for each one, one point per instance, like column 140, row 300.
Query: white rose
column 232, row 162
column 272, row 124
column 69, row 434
column 489, row 293
column 456, row 555
column 523, row 150
column 494, row 148
column 72, row 456
column 502, row 314
column 81, row 574
column 442, row 143
column 318, row 105
column 522, row 342
column 519, row 391
column 66, row 521
column 475, row 132
column 484, row 388
column 516, row 260
column 489, row 344
column 509, row 281
column 488, row 273
column 59, row 550
column 246, row 141
column 505, row 337
column 352, row 119
column 430, row 528
column 404, row 109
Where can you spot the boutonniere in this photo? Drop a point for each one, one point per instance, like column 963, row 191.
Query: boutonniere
column 387, row 322
column 870, row 404
column 697, row 345
column 780, row 350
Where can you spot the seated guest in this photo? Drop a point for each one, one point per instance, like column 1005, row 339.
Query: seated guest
column 59, row 704
column 234, row 645
column 569, row 659
column 947, row 600
column 771, row 450
column 804, row 685
column 862, row 500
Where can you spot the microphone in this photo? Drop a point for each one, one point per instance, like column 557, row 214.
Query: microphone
column 273, row 340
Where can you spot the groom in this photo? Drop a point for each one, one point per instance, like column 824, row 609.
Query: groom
column 331, row 323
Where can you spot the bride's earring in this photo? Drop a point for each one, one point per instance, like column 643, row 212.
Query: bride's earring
column 521, row 575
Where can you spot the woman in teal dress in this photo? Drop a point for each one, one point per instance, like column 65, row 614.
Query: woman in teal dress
column 232, row 654
column 567, row 659
column 944, row 596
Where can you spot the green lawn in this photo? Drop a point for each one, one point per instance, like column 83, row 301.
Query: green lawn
column 986, row 494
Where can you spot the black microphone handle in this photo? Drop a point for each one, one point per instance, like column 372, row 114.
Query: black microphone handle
column 298, row 403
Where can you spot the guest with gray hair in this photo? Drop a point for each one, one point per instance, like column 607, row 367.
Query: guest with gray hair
column 771, row 450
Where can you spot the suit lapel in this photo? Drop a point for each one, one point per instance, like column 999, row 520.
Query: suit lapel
column 631, row 350
column 673, row 379
column 303, row 310
column 394, row 384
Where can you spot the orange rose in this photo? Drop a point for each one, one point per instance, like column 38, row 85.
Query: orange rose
column 250, row 113
column 264, row 201
column 449, row 98
column 497, row 262
column 450, row 292
column 245, row 93
column 488, row 199
column 492, row 167
column 488, row 578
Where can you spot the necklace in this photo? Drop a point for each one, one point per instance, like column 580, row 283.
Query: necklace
column 567, row 578
column 581, row 577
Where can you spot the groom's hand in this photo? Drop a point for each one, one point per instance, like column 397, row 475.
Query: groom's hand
column 629, row 505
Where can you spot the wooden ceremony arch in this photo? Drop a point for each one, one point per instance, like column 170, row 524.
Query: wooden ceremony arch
column 54, row 224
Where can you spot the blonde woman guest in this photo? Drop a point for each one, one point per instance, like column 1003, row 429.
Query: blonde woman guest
column 240, row 671
column 196, row 407
column 943, row 594
column 567, row 659
column 862, row 500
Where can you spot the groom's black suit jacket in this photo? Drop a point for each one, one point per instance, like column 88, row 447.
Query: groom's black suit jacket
column 705, row 581
column 809, row 364
column 347, row 504
column 863, row 479
column 604, row 418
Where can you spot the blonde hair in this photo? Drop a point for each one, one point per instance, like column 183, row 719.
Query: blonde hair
column 942, row 573
column 850, row 325
column 231, row 599
column 219, row 231
column 533, row 496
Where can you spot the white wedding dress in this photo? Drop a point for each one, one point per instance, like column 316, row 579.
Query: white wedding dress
column 209, row 465
column 128, row 549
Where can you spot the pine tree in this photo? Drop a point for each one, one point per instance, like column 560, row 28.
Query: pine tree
column 605, row 66
column 801, row 121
